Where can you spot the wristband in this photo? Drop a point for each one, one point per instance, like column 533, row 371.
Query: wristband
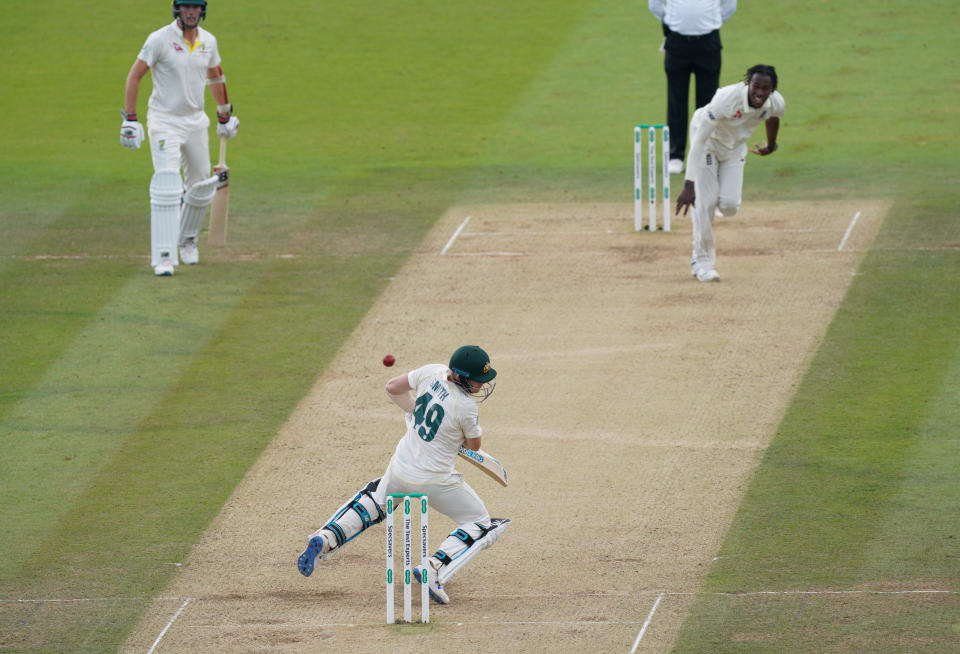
column 126, row 116
column 223, row 113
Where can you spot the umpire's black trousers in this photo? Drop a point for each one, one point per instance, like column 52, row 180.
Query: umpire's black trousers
column 686, row 55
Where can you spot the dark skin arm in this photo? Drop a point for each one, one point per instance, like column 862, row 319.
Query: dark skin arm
column 773, row 128
column 688, row 195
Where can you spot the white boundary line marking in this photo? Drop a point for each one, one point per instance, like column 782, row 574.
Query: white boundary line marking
column 164, row 632
column 646, row 623
column 849, row 229
column 455, row 235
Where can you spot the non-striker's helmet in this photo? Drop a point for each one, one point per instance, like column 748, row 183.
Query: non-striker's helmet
column 470, row 362
column 176, row 4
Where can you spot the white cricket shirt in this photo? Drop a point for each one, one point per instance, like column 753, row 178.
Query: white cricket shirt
column 179, row 72
column 443, row 416
column 733, row 119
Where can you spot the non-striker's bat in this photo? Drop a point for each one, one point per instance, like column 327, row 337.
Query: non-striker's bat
column 221, row 201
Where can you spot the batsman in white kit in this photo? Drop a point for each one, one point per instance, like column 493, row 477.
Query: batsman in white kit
column 441, row 414
column 183, row 59
column 718, row 152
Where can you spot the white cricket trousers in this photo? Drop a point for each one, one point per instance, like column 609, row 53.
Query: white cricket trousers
column 450, row 494
column 180, row 142
column 718, row 183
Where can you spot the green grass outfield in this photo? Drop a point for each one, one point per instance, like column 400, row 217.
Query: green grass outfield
column 130, row 407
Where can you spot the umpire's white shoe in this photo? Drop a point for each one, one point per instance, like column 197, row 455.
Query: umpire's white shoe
column 708, row 275
column 437, row 594
column 675, row 166
column 189, row 254
column 314, row 549
column 164, row 268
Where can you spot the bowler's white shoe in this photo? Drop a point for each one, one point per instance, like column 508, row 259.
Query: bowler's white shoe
column 675, row 166
column 437, row 594
column 164, row 268
column 189, row 254
column 708, row 275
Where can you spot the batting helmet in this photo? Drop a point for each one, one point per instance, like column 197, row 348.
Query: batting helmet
column 473, row 363
column 179, row 3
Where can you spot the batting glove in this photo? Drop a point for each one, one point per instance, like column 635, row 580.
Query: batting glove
column 131, row 132
column 229, row 129
column 229, row 125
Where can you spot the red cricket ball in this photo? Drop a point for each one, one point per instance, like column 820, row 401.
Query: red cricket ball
column 389, row 360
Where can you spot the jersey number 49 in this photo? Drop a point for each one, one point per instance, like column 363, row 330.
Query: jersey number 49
column 427, row 417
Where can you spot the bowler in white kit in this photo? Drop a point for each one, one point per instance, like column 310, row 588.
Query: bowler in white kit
column 183, row 59
column 718, row 152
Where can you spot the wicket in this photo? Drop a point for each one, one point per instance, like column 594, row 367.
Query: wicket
column 651, row 176
column 406, row 499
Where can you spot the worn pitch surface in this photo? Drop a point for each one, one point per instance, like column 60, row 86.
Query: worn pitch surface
column 632, row 406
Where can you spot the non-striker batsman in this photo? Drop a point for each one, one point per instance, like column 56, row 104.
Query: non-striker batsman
column 183, row 59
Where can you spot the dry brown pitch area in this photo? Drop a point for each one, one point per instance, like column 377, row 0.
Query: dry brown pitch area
column 632, row 406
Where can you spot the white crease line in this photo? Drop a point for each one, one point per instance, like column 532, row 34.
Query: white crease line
column 849, row 229
column 667, row 593
column 455, row 235
column 550, row 622
column 299, row 626
column 602, row 593
column 646, row 623
column 838, row 592
column 536, row 233
column 239, row 256
column 60, row 600
column 487, row 254
column 164, row 632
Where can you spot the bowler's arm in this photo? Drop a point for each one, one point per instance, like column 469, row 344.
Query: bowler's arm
column 772, row 126
column 698, row 142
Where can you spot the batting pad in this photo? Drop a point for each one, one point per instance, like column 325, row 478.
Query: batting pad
column 454, row 543
column 165, row 190
column 195, row 203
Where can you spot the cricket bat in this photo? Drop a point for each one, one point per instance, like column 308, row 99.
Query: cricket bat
column 221, row 200
column 486, row 463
